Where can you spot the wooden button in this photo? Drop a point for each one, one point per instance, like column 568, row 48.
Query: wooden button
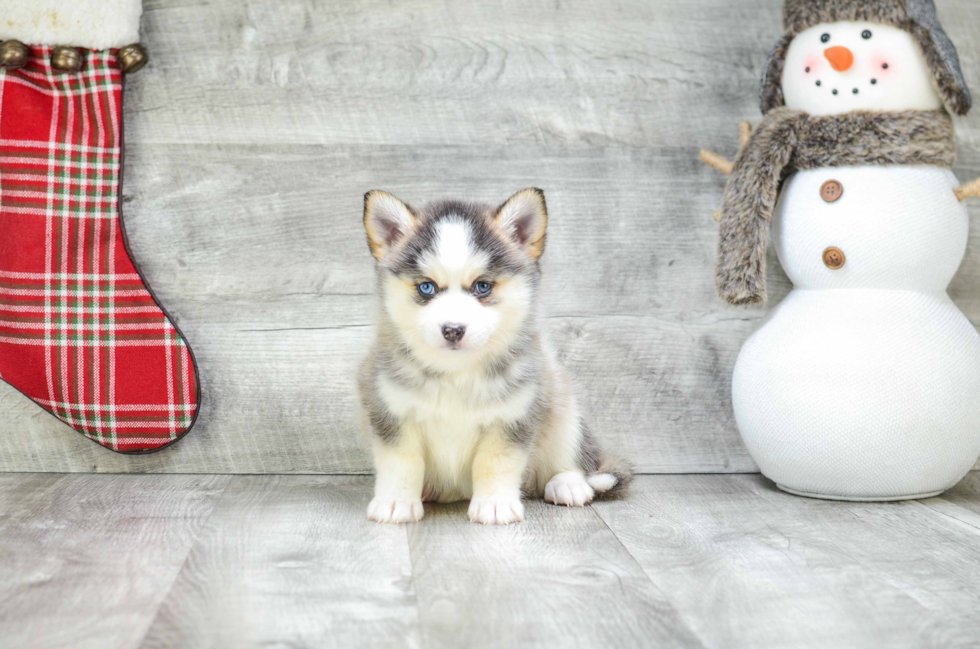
column 132, row 58
column 66, row 59
column 833, row 258
column 831, row 191
column 13, row 55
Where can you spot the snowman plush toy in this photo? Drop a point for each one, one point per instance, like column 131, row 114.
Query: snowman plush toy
column 864, row 383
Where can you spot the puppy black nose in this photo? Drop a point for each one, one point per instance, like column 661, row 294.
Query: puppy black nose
column 453, row 332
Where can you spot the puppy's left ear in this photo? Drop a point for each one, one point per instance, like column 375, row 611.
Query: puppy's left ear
column 524, row 217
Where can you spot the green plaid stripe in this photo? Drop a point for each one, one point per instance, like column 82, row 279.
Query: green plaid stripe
column 81, row 314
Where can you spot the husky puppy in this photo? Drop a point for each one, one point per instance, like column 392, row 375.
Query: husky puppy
column 461, row 395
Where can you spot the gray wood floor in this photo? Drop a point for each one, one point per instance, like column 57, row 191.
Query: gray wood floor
column 188, row 561
column 258, row 126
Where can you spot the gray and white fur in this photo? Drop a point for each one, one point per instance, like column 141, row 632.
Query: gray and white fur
column 461, row 395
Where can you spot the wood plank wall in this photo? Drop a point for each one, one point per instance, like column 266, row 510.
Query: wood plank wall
column 258, row 126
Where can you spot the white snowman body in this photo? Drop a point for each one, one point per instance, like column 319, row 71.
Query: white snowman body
column 864, row 383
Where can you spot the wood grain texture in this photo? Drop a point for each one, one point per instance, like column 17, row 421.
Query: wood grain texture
column 961, row 503
column 292, row 562
column 750, row 566
column 561, row 579
column 86, row 560
column 258, row 126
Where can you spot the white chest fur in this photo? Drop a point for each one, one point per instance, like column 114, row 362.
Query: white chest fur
column 450, row 414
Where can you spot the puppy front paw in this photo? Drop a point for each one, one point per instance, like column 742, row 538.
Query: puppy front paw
column 569, row 489
column 496, row 510
column 387, row 509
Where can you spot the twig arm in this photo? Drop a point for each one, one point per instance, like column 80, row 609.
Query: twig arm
column 744, row 133
column 969, row 190
column 722, row 164
column 712, row 159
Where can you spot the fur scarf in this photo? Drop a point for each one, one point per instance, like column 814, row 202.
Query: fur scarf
column 792, row 140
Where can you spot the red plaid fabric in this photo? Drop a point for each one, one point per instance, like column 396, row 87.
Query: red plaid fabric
column 80, row 334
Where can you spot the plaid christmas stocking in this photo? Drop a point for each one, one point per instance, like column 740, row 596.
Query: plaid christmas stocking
column 80, row 333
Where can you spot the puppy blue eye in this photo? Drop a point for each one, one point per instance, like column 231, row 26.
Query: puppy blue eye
column 482, row 288
column 427, row 289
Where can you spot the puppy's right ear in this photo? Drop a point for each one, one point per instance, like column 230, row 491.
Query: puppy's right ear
column 386, row 220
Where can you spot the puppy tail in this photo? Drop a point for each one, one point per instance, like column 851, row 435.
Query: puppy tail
column 613, row 474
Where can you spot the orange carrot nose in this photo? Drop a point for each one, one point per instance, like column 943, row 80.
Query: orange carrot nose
column 841, row 58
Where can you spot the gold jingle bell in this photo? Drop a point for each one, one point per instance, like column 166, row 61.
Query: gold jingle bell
column 132, row 58
column 13, row 55
column 66, row 59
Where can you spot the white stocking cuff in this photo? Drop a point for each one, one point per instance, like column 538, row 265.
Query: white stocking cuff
column 93, row 24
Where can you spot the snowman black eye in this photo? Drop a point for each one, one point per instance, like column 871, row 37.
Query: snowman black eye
column 866, row 34
column 825, row 38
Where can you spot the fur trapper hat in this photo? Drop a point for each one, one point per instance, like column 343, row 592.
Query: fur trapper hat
column 917, row 17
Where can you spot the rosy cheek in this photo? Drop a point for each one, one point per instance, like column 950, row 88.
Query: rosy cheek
column 882, row 64
column 814, row 64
